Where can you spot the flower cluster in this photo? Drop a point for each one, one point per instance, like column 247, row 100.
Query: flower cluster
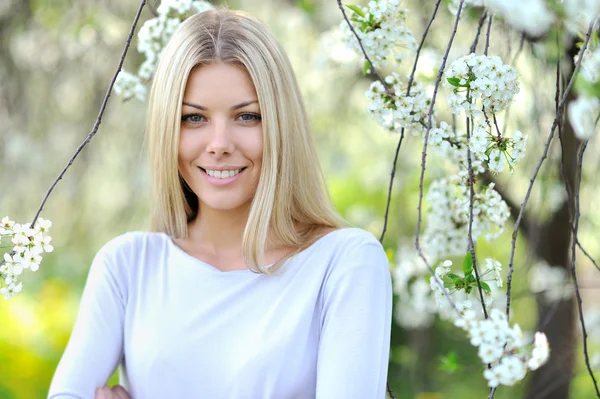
column 590, row 64
column 381, row 27
column 497, row 151
column 129, row 86
column 463, row 287
column 532, row 17
column 579, row 13
column 28, row 244
column 489, row 151
column 482, row 77
column 416, row 307
column 503, row 347
column 584, row 112
column 453, row 5
column 551, row 282
column 152, row 38
column 398, row 111
column 448, row 143
column 448, row 219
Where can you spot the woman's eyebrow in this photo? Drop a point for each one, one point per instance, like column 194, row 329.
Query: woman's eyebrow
column 238, row 106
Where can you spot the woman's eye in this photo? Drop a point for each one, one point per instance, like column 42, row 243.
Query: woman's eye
column 192, row 118
column 249, row 117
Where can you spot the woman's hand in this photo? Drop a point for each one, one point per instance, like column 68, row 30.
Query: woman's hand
column 116, row 392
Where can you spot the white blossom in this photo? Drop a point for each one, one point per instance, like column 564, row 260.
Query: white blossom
column 447, row 220
column 128, row 86
column 503, row 347
column 579, row 13
column 152, row 38
column 584, row 114
column 590, row 65
column 176, row 6
column 416, row 307
column 395, row 111
column 551, row 282
column 532, row 16
column 540, row 351
column 28, row 244
column 466, row 298
column 453, row 5
column 486, row 79
column 381, row 27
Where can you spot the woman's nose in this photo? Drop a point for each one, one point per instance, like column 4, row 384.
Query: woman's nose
column 220, row 141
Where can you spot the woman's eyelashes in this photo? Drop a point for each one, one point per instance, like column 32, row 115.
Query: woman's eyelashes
column 249, row 117
column 246, row 118
column 192, row 119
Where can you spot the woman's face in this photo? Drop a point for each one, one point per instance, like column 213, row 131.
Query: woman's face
column 221, row 141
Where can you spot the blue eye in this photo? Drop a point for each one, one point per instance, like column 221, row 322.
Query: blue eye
column 250, row 117
column 192, row 118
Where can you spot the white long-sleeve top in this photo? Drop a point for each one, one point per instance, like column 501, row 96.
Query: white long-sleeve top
column 181, row 328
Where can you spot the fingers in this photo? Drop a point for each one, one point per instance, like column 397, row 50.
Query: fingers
column 103, row 393
column 120, row 392
column 116, row 392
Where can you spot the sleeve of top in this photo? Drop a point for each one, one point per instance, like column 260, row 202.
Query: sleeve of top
column 96, row 343
column 356, row 323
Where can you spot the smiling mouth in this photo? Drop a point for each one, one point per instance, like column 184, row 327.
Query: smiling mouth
column 223, row 174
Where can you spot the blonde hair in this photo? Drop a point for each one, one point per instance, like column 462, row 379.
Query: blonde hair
column 292, row 206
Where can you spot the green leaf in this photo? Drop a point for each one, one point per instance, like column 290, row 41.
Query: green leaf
column 470, row 278
column 453, row 276
column 467, row 264
column 366, row 67
column 459, row 283
column 449, row 363
column 356, row 9
column 454, row 81
column 308, row 6
column 485, row 287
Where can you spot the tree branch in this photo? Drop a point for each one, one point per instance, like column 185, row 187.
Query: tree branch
column 100, row 113
column 424, row 155
column 541, row 161
column 410, row 82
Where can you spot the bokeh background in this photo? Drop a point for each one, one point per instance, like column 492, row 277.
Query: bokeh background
column 56, row 60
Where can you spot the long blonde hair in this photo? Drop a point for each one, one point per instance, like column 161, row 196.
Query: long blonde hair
column 292, row 206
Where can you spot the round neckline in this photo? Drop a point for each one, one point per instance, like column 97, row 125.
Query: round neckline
column 207, row 265
column 216, row 270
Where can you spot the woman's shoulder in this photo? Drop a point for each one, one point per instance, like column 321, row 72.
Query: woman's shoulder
column 132, row 243
column 350, row 237
column 351, row 246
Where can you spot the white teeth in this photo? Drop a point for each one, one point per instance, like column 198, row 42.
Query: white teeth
column 222, row 174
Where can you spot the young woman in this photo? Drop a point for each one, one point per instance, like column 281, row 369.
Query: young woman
column 248, row 287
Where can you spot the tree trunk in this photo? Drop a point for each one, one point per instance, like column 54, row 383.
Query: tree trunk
column 552, row 243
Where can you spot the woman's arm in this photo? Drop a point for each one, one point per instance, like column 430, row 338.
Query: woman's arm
column 96, row 343
column 356, row 323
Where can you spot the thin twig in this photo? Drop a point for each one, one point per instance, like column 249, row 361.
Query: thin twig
column 100, row 113
column 410, row 82
column 487, row 36
column 470, row 231
column 152, row 8
column 371, row 65
column 587, row 254
column 539, row 165
column 424, row 155
column 518, row 52
column 497, row 128
column 479, row 26
column 573, row 258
